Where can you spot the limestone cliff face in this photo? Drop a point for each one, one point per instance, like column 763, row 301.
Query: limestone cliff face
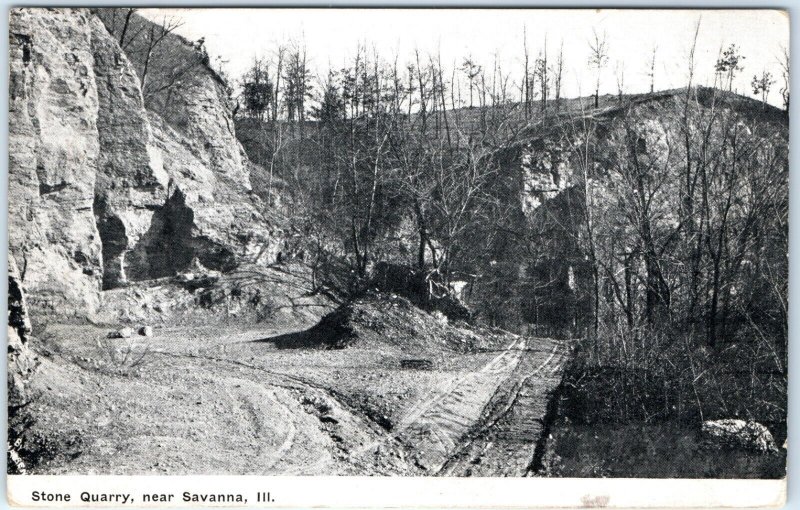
column 208, row 209
column 605, row 158
column 131, row 182
column 545, row 170
column 53, row 153
column 103, row 190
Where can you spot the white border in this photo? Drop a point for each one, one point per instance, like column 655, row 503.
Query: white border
column 416, row 492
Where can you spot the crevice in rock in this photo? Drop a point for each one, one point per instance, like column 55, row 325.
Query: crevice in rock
column 114, row 241
column 45, row 188
column 25, row 42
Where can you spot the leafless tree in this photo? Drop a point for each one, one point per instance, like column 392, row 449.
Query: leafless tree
column 128, row 14
column 784, row 64
column 651, row 69
column 620, row 75
column 729, row 64
column 154, row 36
column 541, row 71
column 558, row 72
column 598, row 59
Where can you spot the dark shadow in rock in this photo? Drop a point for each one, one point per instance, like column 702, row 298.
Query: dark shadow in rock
column 171, row 243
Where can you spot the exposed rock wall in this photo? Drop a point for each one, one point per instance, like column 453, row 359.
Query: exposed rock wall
column 185, row 92
column 103, row 190
column 131, row 182
column 53, row 152
column 209, row 211
column 546, row 269
column 19, row 322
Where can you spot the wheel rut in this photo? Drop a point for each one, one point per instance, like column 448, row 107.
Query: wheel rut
column 504, row 441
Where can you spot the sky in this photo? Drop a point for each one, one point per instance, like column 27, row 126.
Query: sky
column 236, row 36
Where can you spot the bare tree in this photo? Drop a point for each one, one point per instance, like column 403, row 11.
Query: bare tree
column 651, row 68
column 128, row 14
column 620, row 75
column 784, row 64
column 541, row 71
column 598, row 59
column 280, row 53
column 728, row 64
column 558, row 71
column 154, row 36
column 526, row 73
column 472, row 72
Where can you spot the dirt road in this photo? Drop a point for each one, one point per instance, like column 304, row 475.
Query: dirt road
column 211, row 403
column 436, row 424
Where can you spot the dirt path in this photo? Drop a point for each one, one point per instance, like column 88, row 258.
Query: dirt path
column 296, row 427
column 447, row 431
column 439, row 422
column 274, row 442
column 211, row 403
column 505, row 441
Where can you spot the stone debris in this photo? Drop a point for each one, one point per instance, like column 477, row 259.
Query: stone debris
column 735, row 433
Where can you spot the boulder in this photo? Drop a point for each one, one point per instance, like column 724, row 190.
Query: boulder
column 735, row 433
column 440, row 317
column 121, row 333
column 146, row 331
column 418, row 364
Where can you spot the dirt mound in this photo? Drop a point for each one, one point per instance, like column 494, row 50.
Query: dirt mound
column 389, row 320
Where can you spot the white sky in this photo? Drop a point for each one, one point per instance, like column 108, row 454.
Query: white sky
column 332, row 35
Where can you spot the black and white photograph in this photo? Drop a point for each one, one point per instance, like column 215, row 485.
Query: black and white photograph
column 395, row 243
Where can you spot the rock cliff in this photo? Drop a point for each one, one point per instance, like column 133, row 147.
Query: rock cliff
column 107, row 187
column 54, row 152
column 610, row 181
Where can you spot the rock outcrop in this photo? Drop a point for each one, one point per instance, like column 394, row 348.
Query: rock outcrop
column 19, row 331
column 21, row 363
column 108, row 188
column 604, row 158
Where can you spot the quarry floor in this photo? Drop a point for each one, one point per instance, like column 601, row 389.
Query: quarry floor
column 227, row 401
